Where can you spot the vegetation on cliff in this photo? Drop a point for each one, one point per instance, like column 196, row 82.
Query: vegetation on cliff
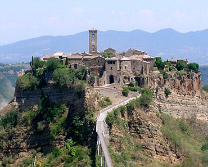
column 143, row 137
column 54, row 120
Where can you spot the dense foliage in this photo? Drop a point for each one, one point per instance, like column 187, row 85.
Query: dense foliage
column 27, row 82
column 180, row 65
column 63, row 77
column 159, row 63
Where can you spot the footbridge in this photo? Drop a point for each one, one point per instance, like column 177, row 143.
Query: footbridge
column 103, row 132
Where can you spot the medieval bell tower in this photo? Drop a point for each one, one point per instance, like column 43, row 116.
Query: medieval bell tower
column 93, row 41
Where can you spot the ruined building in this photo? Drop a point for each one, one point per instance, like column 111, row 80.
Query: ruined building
column 119, row 68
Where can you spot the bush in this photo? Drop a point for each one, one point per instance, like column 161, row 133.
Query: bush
column 9, row 119
column 36, row 63
column 110, row 119
column 180, row 65
column 48, row 111
column 181, row 72
column 107, row 54
column 204, row 147
column 159, row 64
column 165, row 74
column 81, row 73
column 63, row 77
column 146, row 97
column 79, row 89
column 130, row 107
column 167, row 92
column 29, row 116
column 171, row 68
column 193, row 66
column 52, row 64
column 125, row 91
column 27, row 82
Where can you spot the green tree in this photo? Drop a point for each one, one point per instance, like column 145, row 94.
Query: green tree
column 9, row 119
column 27, row 82
column 52, row 64
column 159, row 64
column 193, row 66
column 125, row 91
column 180, row 65
column 67, row 61
column 79, row 89
column 81, row 73
column 164, row 73
column 63, row 77
column 146, row 97
column 37, row 63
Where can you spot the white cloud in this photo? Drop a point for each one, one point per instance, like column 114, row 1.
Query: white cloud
column 78, row 11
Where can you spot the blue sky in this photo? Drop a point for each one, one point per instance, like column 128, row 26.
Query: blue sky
column 25, row 19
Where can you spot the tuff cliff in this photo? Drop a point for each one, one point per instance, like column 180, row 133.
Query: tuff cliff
column 185, row 99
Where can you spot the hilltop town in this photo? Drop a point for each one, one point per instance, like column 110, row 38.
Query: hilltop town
column 68, row 108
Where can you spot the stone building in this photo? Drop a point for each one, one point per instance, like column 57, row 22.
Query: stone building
column 121, row 69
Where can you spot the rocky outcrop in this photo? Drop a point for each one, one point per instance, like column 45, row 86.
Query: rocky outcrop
column 144, row 128
column 186, row 98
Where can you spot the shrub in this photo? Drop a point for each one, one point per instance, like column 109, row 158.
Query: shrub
column 79, row 89
column 180, row 65
column 171, row 68
column 52, row 64
column 146, row 97
column 29, row 116
column 181, row 72
column 165, row 74
column 183, row 126
column 110, row 119
column 9, row 119
column 48, row 111
column 107, row 54
column 27, row 82
column 167, row 92
column 193, row 66
column 204, row 147
column 63, row 77
column 159, row 64
column 81, row 73
column 125, row 91
column 130, row 107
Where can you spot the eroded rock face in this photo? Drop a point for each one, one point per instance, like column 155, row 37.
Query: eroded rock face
column 186, row 98
column 144, row 128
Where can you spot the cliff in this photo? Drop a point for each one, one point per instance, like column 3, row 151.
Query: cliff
column 185, row 99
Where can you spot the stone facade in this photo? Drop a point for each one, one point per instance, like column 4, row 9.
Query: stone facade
column 121, row 69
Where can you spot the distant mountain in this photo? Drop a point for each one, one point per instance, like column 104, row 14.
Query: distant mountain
column 166, row 43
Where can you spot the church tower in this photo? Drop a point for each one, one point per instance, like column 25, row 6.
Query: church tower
column 93, row 41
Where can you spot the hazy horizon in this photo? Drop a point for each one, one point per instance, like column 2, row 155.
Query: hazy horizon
column 25, row 19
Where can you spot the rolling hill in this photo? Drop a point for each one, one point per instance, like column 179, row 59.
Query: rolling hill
column 166, row 43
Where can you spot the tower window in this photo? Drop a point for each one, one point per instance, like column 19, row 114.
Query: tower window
column 93, row 35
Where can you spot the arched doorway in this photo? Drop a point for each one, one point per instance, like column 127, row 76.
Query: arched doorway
column 111, row 79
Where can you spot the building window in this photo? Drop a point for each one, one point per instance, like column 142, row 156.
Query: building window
column 93, row 35
column 125, row 67
column 111, row 68
column 114, row 62
column 75, row 66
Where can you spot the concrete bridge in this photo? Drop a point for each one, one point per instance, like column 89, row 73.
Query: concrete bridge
column 103, row 132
